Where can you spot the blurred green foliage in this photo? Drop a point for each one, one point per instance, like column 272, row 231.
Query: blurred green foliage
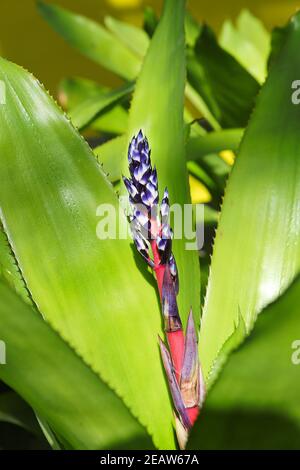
column 26, row 40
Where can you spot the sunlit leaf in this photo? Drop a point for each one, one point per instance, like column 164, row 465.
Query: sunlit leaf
column 50, row 376
column 73, row 91
column 226, row 87
column 213, row 142
column 135, row 38
column 9, row 270
column 255, row 402
column 86, row 111
column 248, row 42
column 92, row 40
column 192, row 29
column 110, row 155
column 257, row 247
column 80, row 283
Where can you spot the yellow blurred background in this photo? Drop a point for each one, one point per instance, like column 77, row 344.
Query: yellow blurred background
column 27, row 40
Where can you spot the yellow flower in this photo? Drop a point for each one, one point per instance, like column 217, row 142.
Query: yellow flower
column 199, row 193
column 123, row 4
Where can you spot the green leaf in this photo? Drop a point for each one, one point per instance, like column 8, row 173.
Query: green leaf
column 135, row 38
column 110, row 155
column 9, row 269
column 192, row 29
column 259, row 387
column 157, row 109
column 213, row 142
column 86, row 111
column 257, row 247
column 92, row 40
column 277, row 41
column 90, row 290
column 248, row 42
column 14, row 410
column 150, row 21
column 226, row 87
column 203, row 150
column 202, row 175
column 48, row 374
column 232, row 343
column 72, row 91
column 216, row 170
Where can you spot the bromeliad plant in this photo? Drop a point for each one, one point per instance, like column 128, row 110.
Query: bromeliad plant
column 78, row 317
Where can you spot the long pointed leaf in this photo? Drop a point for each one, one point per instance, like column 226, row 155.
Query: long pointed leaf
column 259, row 387
column 92, row 40
column 135, row 38
column 55, row 381
column 73, row 91
column 110, row 155
column 91, row 290
column 157, row 109
column 9, row 269
column 257, row 247
column 89, row 109
column 248, row 42
column 213, row 142
column 15, row 411
column 226, row 87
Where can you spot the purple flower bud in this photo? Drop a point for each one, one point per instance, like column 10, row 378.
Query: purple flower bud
column 165, row 198
column 130, row 150
column 144, row 157
column 150, row 195
column 174, row 272
column 130, row 187
column 142, row 223
column 144, row 178
column 142, row 247
column 141, row 173
column 136, row 157
column 141, row 217
column 167, row 232
column 165, row 208
column 161, row 243
column 153, row 177
column 173, row 266
column 139, row 137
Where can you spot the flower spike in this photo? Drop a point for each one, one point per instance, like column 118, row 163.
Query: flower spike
column 151, row 229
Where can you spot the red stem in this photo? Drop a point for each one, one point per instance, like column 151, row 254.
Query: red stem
column 193, row 413
column 176, row 339
column 176, row 346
